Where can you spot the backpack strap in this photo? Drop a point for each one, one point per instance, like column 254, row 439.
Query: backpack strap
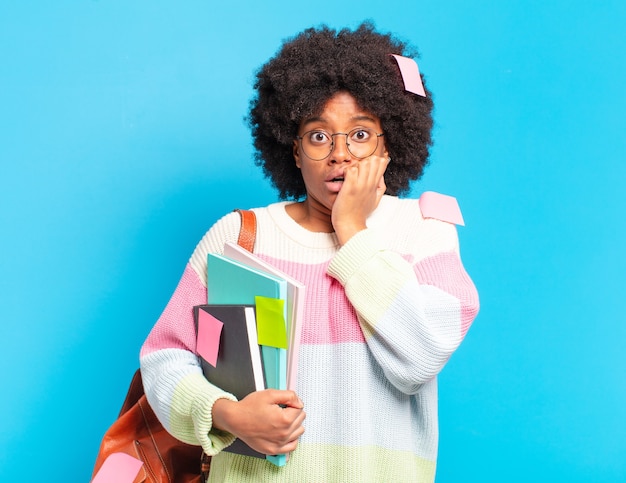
column 247, row 234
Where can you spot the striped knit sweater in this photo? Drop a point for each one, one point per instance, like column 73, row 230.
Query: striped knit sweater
column 383, row 315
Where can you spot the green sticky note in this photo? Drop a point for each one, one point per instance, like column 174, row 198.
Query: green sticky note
column 270, row 322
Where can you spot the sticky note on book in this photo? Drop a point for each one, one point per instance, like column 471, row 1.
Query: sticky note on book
column 270, row 322
column 209, row 335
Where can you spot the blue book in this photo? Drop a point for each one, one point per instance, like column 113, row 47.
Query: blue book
column 234, row 283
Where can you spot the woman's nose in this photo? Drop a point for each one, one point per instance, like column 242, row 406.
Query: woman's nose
column 340, row 152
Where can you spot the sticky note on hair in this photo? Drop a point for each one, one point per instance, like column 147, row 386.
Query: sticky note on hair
column 270, row 322
column 410, row 75
column 441, row 207
column 118, row 468
column 209, row 334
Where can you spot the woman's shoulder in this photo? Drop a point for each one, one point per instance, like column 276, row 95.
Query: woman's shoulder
column 225, row 229
column 429, row 205
column 421, row 226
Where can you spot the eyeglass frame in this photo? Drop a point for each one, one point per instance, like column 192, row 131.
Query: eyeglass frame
column 332, row 144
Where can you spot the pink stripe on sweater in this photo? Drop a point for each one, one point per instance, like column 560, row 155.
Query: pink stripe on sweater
column 329, row 316
column 175, row 328
column 331, row 319
column 445, row 271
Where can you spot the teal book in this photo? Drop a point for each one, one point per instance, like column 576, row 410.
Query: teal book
column 295, row 304
column 234, row 283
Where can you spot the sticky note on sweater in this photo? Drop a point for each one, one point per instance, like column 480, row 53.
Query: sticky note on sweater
column 441, row 207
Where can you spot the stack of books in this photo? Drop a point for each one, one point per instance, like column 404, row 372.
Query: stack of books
column 253, row 310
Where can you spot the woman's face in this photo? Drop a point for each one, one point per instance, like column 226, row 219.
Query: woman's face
column 323, row 178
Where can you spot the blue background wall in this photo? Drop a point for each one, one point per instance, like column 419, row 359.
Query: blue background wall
column 122, row 140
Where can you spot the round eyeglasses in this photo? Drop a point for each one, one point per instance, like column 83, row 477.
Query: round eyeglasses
column 318, row 144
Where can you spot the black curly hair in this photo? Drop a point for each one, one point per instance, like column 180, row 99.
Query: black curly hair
column 313, row 66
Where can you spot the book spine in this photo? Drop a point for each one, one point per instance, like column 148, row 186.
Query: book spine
column 275, row 365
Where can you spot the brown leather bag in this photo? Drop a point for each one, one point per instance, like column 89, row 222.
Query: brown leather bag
column 138, row 432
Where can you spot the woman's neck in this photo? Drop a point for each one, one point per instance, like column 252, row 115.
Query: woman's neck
column 313, row 218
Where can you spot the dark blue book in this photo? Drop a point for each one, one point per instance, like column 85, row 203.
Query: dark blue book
column 239, row 367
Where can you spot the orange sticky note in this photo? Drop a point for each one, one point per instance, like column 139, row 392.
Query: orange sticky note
column 118, row 468
column 270, row 322
column 441, row 207
column 209, row 334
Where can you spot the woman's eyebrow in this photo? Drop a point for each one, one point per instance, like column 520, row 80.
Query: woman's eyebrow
column 314, row 119
column 358, row 118
column 363, row 117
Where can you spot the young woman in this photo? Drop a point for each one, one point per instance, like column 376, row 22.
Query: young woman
column 388, row 300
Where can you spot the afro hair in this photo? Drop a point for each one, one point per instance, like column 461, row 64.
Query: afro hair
column 312, row 67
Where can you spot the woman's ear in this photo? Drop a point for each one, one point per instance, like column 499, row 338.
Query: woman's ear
column 385, row 152
column 296, row 153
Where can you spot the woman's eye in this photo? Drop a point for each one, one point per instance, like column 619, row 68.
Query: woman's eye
column 318, row 137
column 360, row 135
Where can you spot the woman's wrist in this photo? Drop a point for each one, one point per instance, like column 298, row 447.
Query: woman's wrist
column 345, row 233
column 222, row 413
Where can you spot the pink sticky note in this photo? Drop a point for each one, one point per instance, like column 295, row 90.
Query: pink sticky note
column 209, row 333
column 118, row 468
column 441, row 207
column 410, row 75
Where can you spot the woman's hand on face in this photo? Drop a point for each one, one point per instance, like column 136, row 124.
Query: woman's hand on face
column 363, row 187
column 269, row 421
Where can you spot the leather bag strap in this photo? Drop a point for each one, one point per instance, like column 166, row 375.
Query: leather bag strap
column 247, row 234
column 135, row 391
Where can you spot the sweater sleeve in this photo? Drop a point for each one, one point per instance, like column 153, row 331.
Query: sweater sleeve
column 414, row 315
column 172, row 376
